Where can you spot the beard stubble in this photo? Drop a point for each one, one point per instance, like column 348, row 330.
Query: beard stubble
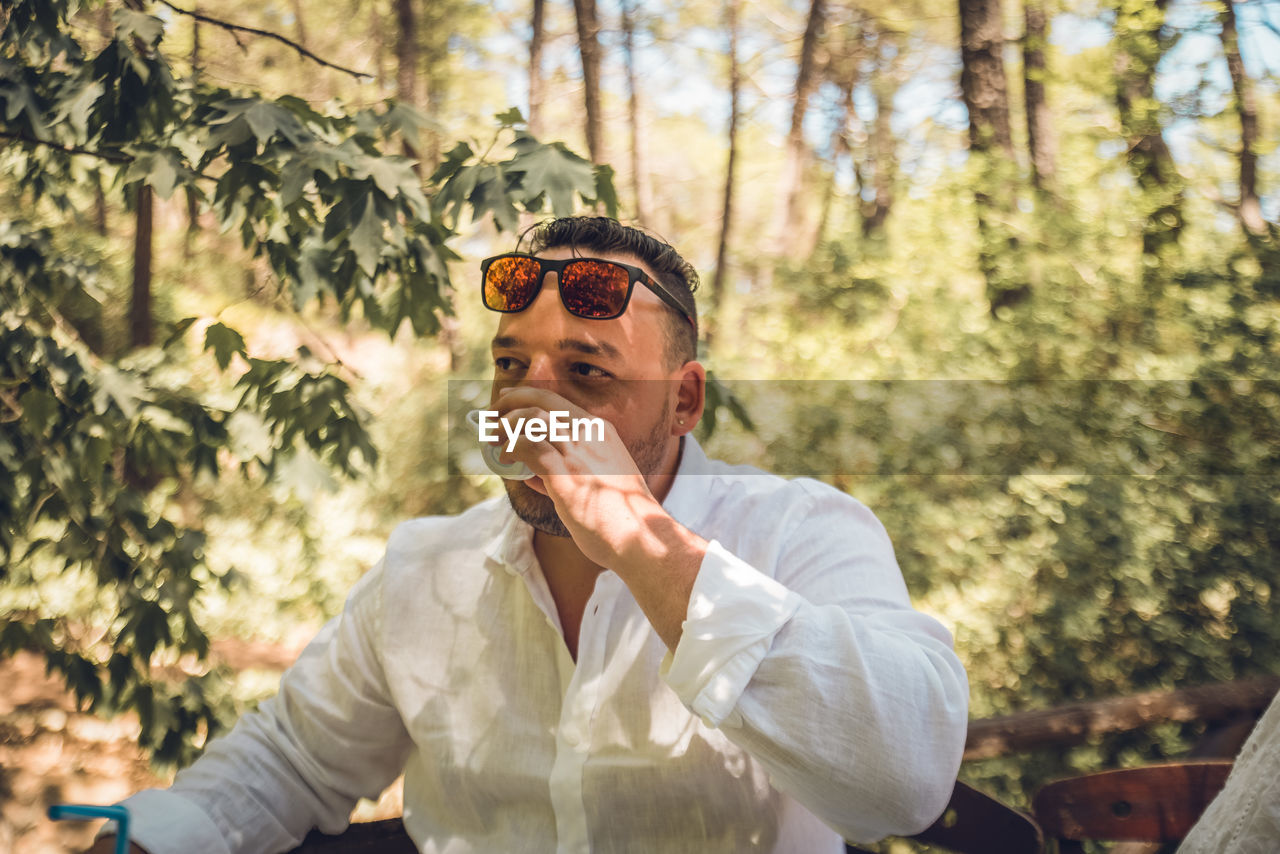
column 539, row 511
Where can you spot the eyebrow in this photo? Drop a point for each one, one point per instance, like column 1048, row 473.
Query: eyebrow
column 577, row 345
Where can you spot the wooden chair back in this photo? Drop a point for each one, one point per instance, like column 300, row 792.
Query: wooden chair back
column 1152, row 803
column 973, row 823
column 976, row 823
column 366, row 837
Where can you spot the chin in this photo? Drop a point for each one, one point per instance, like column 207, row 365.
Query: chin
column 535, row 509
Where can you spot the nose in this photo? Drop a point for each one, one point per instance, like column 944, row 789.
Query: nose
column 541, row 372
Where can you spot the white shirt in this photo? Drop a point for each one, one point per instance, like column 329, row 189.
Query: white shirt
column 806, row 700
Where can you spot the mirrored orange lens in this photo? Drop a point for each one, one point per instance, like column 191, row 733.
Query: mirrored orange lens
column 511, row 283
column 594, row 288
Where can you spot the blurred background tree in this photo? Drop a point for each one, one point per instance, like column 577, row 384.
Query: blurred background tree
column 112, row 445
column 1061, row 213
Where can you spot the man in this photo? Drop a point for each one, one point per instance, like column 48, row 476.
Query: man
column 638, row 650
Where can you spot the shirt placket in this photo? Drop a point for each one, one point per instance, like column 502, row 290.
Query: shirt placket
column 581, row 684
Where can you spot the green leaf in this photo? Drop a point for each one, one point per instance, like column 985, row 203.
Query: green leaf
column 39, row 409
column 241, row 117
column 150, row 626
column 294, row 178
column 148, row 28
column 453, row 161
column 176, row 331
column 313, row 274
column 121, row 388
column 366, row 240
column 720, row 396
column 491, row 194
column 18, row 98
column 509, row 118
column 77, row 109
column 391, row 173
column 250, row 436
column 225, row 342
column 229, row 131
column 164, row 173
column 159, row 168
column 455, row 192
column 552, row 169
column 606, row 193
column 263, row 120
column 304, row 475
column 97, row 453
column 162, row 419
column 409, row 122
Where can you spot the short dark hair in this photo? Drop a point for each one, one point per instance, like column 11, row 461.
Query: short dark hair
column 602, row 234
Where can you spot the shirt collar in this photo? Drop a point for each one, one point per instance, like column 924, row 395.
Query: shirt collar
column 512, row 545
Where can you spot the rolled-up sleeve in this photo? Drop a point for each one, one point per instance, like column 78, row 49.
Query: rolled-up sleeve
column 734, row 613
column 329, row 737
column 807, row 653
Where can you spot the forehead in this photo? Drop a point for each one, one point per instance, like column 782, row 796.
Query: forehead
column 560, row 253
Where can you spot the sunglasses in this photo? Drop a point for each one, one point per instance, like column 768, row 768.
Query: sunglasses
column 589, row 287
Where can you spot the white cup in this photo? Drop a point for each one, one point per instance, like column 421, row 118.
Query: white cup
column 491, row 451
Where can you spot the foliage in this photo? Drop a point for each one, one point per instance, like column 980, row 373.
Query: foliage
column 1087, row 496
column 1085, row 487
column 107, row 456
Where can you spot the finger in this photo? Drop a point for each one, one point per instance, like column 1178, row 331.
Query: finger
column 556, row 426
column 526, row 437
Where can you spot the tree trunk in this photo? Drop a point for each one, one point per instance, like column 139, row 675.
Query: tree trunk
column 1140, row 43
column 589, row 49
column 787, row 208
column 982, row 83
column 881, row 154
column 838, row 146
column 1250, row 210
column 1041, row 142
column 536, row 94
column 982, row 79
column 140, row 332
column 407, row 61
column 726, row 215
column 875, row 166
column 846, row 54
column 639, row 162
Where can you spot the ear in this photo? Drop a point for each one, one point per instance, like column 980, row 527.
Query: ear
column 690, row 392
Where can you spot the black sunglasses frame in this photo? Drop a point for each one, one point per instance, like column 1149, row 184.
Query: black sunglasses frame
column 546, row 265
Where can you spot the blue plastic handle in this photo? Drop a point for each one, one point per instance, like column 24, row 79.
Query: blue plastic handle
column 59, row 812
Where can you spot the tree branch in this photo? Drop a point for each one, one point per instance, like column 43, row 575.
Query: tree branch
column 1075, row 723
column 109, row 156
column 240, row 28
